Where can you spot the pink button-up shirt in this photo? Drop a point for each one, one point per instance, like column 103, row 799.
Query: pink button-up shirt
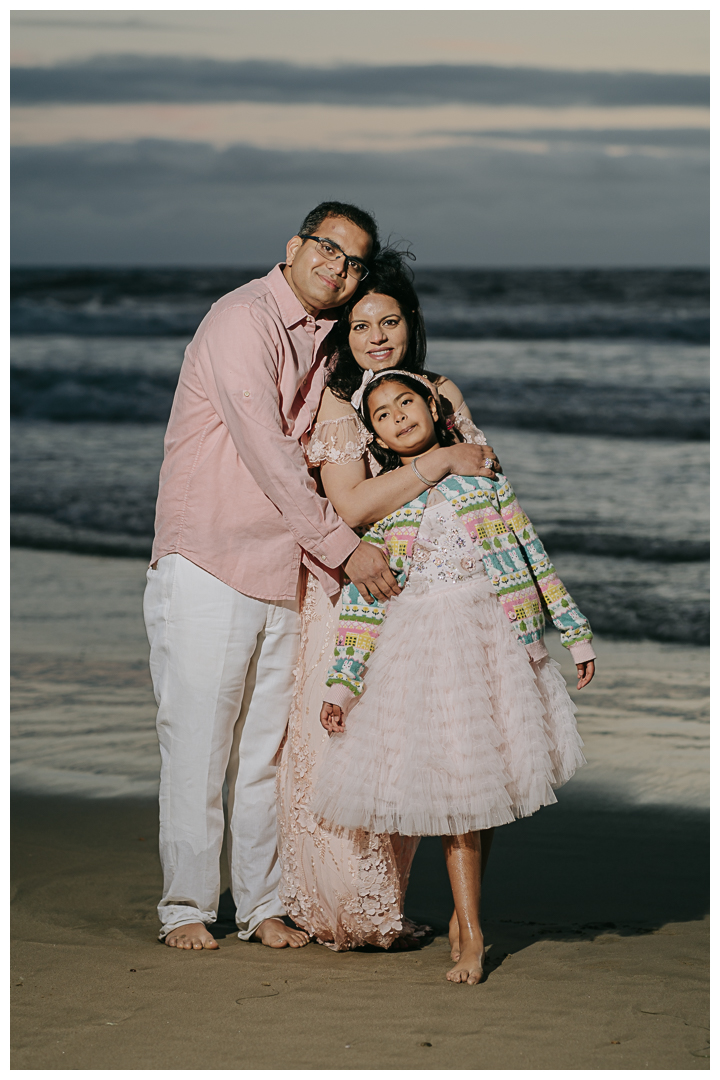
column 236, row 497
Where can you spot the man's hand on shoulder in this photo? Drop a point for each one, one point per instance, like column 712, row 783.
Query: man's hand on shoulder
column 370, row 573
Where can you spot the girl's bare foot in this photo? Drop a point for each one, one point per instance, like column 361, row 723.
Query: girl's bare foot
column 276, row 935
column 469, row 967
column 454, row 935
column 194, row 935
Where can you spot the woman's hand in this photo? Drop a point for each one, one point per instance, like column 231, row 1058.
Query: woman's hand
column 585, row 673
column 332, row 719
column 468, row 459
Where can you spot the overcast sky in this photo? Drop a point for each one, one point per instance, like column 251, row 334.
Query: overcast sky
column 485, row 138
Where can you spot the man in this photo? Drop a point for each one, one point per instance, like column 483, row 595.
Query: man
column 237, row 513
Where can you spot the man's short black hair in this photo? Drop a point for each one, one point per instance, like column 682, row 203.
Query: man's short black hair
column 362, row 218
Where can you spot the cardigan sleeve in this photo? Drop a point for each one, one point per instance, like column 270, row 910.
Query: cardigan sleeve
column 358, row 630
column 575, row 631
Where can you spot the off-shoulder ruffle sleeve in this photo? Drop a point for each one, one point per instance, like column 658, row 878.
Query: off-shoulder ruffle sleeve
column 467, row 429
column 338, row 441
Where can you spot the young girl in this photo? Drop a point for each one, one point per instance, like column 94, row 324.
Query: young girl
column 463, row 722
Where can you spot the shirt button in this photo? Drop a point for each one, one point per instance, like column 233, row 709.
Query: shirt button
column 324, row 558
column 246, row 393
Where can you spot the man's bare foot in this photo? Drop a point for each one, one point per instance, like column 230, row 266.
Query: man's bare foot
column 454, row 935
column 469, row 967
column 194, row 935
column 275, row 934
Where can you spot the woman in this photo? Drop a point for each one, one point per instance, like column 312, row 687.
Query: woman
column 347, row 887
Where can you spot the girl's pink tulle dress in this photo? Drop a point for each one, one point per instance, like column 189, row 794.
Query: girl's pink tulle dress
column 456, row 729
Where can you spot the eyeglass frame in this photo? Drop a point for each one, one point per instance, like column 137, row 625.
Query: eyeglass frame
column 347, row 258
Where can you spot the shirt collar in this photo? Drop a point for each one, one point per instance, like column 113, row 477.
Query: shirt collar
column 291, row 310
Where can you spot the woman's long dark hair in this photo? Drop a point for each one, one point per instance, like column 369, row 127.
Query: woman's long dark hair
column 390, row 459
column 390, row 276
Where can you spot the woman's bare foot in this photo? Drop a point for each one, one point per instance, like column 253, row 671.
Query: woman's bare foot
column 405, row 944
column 469, row 967
column 194, row 935
column 275, row 934
column 454, row 935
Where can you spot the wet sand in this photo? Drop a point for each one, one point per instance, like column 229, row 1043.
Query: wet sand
column 595, row 909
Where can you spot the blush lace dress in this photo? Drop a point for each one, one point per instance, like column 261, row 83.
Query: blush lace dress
column 346, row 887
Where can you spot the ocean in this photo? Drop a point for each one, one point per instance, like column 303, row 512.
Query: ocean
column 591, row 385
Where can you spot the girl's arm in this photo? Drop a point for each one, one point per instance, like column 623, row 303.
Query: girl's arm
column 360, row 498
column 575, row 631
column 359, row 625
column 358, row 629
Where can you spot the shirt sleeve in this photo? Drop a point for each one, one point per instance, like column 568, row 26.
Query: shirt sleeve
column 238, row 369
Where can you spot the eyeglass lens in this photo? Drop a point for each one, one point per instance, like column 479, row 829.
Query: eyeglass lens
column 332, row 253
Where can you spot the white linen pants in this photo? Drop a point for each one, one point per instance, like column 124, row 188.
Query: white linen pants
column 222, row 670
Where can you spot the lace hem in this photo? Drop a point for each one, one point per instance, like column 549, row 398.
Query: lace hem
column 346, row 888
column 338, row 441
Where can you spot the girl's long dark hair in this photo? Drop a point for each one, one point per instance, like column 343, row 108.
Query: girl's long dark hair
column 392, row 277
column 389, row 459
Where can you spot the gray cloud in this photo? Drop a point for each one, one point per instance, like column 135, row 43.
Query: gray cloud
column 36, row 19
column 164, row 203
column 661, row 138
column 137, row 78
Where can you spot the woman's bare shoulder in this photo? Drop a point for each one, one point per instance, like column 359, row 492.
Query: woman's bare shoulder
column 333, row 408
column 447, row 387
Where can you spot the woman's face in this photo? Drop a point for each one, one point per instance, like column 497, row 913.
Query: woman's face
column 378, row 333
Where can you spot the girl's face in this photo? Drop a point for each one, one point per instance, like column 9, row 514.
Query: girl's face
column 403, row 421
column 378, row 333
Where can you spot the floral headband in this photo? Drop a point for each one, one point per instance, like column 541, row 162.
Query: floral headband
column 372, row 376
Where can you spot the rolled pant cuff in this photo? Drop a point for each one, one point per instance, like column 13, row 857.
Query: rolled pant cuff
column 246, row 932
column 193, row 916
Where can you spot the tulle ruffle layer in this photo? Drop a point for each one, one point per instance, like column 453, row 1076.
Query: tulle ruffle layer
column 456, row 730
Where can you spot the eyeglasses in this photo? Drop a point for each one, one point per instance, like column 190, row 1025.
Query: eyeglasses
column 331, row 252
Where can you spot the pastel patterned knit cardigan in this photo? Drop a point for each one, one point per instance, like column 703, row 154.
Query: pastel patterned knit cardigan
column 514, row 559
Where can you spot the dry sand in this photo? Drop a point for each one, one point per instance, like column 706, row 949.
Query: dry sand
column 595, row 909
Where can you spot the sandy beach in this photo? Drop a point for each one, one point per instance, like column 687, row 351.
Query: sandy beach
column 595, row 909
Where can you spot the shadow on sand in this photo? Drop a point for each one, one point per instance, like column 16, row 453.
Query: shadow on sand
column 580, row 868
column 574, row 870
column 577, row 869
